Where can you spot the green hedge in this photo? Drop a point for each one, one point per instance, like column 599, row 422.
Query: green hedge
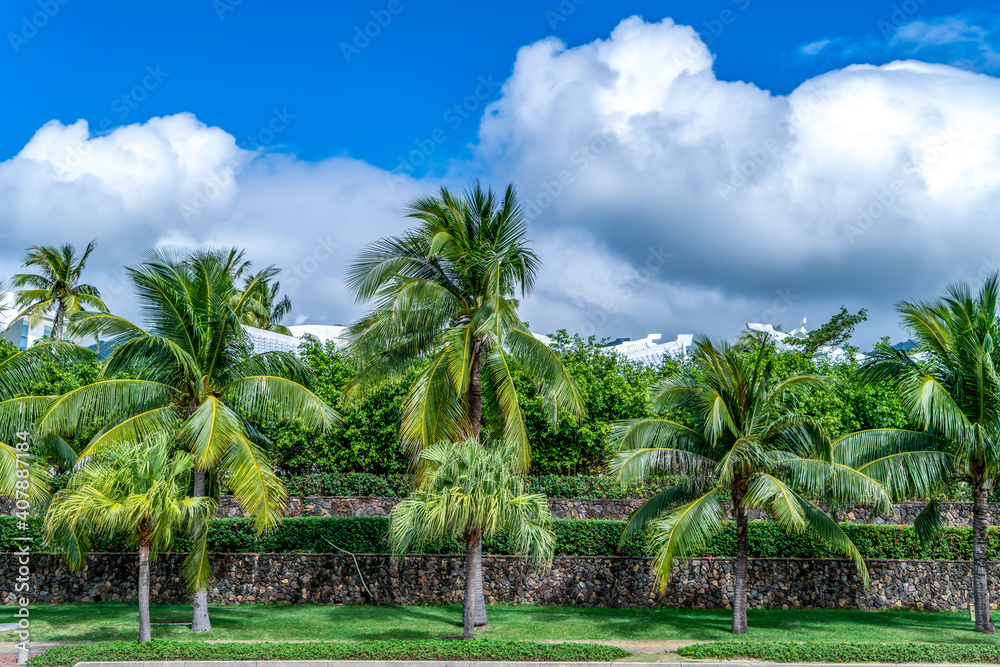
column 962, row 654
column 354, row 484
column 574, row 537
column 477, row 649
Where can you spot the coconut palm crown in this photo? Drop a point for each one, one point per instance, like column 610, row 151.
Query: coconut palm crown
column 266, row 307
column 55, row 287
column 752, row 449
column 193, row 365
column 445, row 290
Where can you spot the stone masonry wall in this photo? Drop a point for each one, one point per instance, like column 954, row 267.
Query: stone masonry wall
column 581, row 581
column 955, row 514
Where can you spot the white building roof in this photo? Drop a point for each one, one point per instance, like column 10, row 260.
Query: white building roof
column 648, row 351
column 322, row 332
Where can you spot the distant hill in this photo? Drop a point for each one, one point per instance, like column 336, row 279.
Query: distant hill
column 906, row 346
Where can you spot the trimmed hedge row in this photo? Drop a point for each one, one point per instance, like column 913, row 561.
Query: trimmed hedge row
column 961, row 654
column 355, row 484
column 574, row 537
column 425, row 649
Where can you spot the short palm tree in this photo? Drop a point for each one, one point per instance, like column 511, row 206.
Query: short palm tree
column 445, row 292
column 55, row 287
column 192, row 374
column 140, row 489
column 749, row 447
column 954, row 392
column 470, row 491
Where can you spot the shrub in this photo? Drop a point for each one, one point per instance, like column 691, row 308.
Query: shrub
column 361, row 484
column 574, row 537
column 348, row 484
column 477, row 649
column 962, row 654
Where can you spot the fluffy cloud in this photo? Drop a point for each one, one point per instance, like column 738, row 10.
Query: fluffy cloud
column 175, row 181
column 863, row 186
column 661, row 198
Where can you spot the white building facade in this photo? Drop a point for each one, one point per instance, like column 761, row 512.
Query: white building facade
column 18, row 330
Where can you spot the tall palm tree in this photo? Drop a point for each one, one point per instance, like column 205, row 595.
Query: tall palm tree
column 445, row 291
column 192, row 374
column 56, row 286
column 266, row 306
column 954, row 391
column 470, row 491
column 140, row 489
column 749, row 447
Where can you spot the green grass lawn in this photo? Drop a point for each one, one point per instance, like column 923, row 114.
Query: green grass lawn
column 98, row 622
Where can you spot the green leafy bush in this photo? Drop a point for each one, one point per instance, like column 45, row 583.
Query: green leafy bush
column 962, row 654
column 574, row 537
column 612, row 389
column 362, row 484
column 477, row 649
column 597, row 486
column 348, row 484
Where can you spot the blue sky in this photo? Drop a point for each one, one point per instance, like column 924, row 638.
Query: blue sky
column 818, row 182
column 230, row 63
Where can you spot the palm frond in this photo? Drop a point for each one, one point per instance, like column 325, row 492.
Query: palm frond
column 683, row 531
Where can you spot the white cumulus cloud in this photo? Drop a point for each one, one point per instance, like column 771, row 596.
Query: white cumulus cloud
column 661, row 198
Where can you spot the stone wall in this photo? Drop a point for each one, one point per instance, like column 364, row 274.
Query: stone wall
column 955, row 514
column 582, row 581
column 562, row 508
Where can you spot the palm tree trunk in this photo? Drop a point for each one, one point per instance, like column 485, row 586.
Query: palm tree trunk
column 742, row 547
column 476, row 422
column 57, row 321
column 472, row 548
column 481, row 620
column 980, row 575
column 145, row 632
column 476, row 395
column 199, row 603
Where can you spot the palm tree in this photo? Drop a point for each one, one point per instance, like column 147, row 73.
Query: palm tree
column 136, row 488
column 954, row 391
column 193, row 366
column 470, row 491
column 444, row 292
column 749, row 447
column 56, row 285
column 266, row 306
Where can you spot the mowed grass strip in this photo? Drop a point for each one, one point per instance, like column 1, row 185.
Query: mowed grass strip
column 479, row 649
column 110, row 622
column 962, row 654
